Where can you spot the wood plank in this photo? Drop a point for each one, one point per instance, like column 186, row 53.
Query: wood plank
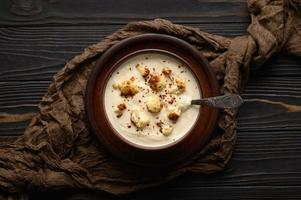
column 13, row 129
column 192, row 193
column 41, row 51
column 21, row 96
column 210, row 193
column 104, row 12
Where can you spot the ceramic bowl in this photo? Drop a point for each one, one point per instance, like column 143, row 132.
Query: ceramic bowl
column 101, row 126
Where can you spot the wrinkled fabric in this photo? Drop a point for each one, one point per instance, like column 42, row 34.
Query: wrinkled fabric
column 58, row 151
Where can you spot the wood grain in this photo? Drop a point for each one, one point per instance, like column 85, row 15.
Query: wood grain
column 95, row 12
column 21, row 96
column 266, row 160
column 267, row 150
column 204, row 192
column 42, row 51
column 191, row 193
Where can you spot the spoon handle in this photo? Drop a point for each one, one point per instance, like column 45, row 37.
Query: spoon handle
column 225, row 101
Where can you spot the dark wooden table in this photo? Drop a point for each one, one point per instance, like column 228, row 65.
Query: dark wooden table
column 267, row 157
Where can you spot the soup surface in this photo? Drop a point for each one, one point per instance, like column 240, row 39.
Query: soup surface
column 147, row 99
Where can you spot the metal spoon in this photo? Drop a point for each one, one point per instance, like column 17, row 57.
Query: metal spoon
column 225, row 101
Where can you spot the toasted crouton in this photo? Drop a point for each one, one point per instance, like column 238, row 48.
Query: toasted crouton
column 127, row 87
column 156, row 82
column 144, row 71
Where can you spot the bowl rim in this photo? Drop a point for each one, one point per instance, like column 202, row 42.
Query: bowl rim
column 122, row 46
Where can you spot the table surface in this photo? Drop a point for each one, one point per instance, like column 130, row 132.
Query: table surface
column 266, row 161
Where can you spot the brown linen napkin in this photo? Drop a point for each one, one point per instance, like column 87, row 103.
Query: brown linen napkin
column 58, row 151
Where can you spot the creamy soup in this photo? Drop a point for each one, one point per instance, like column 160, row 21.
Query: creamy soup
column 147, row 99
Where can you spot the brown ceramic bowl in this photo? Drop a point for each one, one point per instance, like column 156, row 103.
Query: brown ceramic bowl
column 124, row 149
